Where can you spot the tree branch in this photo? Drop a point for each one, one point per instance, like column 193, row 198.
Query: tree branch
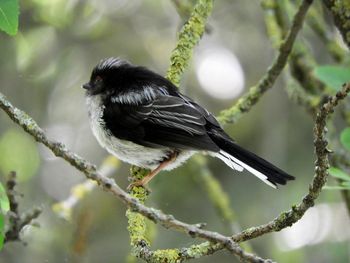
column 189, row 36
column 303, row 86
column 321, row 165
column 17, row 221
column 318, row 25
column 309, row 93
column 340, row 11
column 245, row 103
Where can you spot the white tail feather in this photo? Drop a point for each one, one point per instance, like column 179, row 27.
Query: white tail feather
column 238, row 165
column 226, row 158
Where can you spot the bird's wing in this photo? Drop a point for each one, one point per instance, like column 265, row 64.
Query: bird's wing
column 164, row 121
column 211, row 120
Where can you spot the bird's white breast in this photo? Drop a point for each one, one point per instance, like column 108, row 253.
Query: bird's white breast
column 124, row 150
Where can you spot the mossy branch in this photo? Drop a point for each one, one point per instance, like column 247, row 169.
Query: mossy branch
column 301, row 84
column 318, row 24
column 189, row 36
column 321, row 174
column 302, row 65
column 340, row 10
column 246, row 102
column 137, row 226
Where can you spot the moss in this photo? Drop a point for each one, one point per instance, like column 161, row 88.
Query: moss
column 136, row 222
column 273, row 28
column 196, row 251
column 138, row 173
column 167, row 256
column 188, row 37
column 137, row 228
column 341, row 13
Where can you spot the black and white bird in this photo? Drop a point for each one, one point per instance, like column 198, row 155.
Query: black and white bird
column 141, row 118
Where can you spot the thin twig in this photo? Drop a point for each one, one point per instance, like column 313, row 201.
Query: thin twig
column 14, row 216
column 17, row 221
column 245, row 103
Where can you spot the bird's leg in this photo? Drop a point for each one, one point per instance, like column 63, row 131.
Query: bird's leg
column 145, row 180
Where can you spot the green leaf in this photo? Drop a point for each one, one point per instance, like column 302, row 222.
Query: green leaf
column 337, row 173
column 2, row 230
column 9, row 11
column 18, row 151
column 345, row 138
column 4, row 201
column 333, row 76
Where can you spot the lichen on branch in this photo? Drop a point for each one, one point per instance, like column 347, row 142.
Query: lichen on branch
column 188, row 38
column 288, row 218
column 246, row 102
column 340, row 10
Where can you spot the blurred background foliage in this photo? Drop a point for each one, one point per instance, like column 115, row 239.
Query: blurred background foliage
column 42, row 69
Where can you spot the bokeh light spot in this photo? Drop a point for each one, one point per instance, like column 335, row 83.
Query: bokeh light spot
column 220, row 73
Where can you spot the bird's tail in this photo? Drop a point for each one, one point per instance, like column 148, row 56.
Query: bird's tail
column 239, row 159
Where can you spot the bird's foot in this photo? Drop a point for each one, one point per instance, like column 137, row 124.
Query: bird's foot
column 139, row 183
column 145, row 180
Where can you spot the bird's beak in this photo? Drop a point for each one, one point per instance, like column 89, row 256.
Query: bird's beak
column 87, row 86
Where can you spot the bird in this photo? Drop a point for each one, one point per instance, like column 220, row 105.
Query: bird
column 142, row 118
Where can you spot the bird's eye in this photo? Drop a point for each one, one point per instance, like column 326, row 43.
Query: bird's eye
column 98, row 79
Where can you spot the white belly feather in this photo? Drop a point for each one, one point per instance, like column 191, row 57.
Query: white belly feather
column 128, row 151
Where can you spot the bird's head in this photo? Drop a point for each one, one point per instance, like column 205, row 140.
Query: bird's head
column 104, row 76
